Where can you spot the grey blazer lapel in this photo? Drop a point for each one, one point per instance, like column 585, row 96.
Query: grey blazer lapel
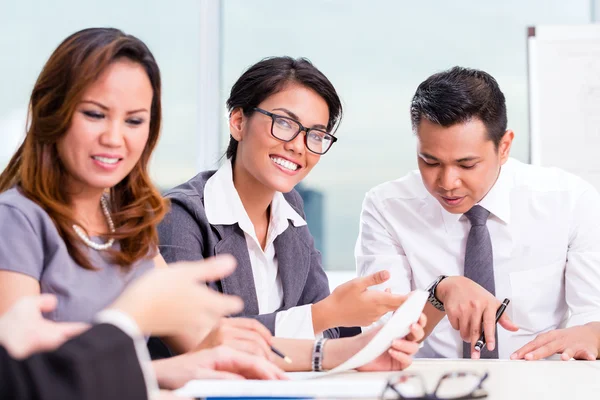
column 293, row 260
column 241, row 281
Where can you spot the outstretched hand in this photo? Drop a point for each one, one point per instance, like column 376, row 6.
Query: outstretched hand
column 169, row 301
column 24, row 331
column 353, row 304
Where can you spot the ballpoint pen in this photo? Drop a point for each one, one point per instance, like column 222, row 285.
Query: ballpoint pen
column 481, row 342
column 280, row 354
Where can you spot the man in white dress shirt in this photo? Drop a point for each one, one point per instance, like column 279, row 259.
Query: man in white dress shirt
column 475, row 226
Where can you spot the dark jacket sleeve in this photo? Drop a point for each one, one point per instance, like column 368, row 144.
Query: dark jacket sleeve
column 180, row 237
column 99, row 364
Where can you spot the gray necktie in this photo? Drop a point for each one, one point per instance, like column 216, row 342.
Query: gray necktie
column 479, row 264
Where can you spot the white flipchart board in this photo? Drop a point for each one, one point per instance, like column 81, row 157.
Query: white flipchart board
column 564, row 98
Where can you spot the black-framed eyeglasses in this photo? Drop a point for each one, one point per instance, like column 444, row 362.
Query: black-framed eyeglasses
column 283, row 128
column 461, row 385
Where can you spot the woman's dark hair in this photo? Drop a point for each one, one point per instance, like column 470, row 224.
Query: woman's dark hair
column 37, row 170
column 457, row 95
column 270, row 76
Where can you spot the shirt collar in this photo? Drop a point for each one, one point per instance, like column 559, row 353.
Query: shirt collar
column 281, row 208
column 497, row 201
column 223, row 205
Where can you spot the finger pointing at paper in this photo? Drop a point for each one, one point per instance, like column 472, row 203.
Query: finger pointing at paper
column 353, row 304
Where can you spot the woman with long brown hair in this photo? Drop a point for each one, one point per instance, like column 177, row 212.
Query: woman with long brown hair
column 76, row 196
column 78, row 212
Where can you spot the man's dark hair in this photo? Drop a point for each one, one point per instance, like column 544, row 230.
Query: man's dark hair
column 458, row 95
column 270, row 76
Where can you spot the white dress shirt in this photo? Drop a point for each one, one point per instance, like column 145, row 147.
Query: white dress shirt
column 224, row 207
column 545, row 231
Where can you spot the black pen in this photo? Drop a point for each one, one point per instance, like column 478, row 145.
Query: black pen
column 481, row 342
column 280, row 354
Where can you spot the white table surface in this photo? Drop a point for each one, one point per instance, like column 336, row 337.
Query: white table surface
column 548, row 380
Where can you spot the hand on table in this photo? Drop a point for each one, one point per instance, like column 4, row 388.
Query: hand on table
column 217, row 363
column 579, row 342
column 470, row 308
column 243, row 334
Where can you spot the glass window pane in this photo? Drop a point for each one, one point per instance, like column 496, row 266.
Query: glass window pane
column 30, row 30
column 376, row 53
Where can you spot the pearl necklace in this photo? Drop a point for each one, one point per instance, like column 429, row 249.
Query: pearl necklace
column 97, row 246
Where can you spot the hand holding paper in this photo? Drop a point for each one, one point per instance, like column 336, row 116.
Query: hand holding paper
column 396, row 327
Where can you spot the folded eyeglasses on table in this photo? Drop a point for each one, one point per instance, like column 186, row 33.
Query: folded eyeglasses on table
column 459, row 385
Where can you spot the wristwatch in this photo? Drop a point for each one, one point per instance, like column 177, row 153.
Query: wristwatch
column 432, row 297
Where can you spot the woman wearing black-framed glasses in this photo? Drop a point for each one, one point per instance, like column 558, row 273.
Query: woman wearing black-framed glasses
column 283, row 114
column 316, row 140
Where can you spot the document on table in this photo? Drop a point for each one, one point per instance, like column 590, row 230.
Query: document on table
column 301, row 384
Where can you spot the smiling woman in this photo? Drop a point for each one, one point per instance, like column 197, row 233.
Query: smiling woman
column 109, row 130
column 283, row 113
column 95, row 117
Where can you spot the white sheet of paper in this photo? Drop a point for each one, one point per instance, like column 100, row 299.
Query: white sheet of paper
column 396, row 327
column 317, row 388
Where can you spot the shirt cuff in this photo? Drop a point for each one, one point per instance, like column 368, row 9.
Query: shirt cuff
column 296, row 323
column 125, row 323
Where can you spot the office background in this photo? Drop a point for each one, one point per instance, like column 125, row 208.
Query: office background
column 375, row 53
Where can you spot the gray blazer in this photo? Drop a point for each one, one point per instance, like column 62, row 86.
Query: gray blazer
column 186, row 235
